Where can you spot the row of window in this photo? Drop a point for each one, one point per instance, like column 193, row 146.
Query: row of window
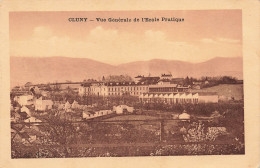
column 170, row 89
column 178, row 100
column 127, row 88
column 116, row 88
column 131, row 93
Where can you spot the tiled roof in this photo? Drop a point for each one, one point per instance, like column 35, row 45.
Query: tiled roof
column 164, row 85
column 166, row 75
column 125, row 83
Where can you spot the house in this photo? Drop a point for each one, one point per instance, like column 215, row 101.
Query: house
column 184, row 116
column 84, row 89
column 67, row 106
column 32, row 120
column 75, row 105
column 86, row 114
column 197, row 83
column 166, row 76
column 170, row 98
column 44, row 93
column 106, row 112
column 61, row 106
column 123, row 109
column 115, row 88
column 34, row 90
column 24, row 100
column 180, row 97
column 206, row 82
column 16, row 98
column 27, row 110
column 81, row 107
column 175, row 116
column 138, row 78
column 123, row 88
column 42, row 105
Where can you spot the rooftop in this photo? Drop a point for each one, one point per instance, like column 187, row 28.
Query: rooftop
column 164, row 85
column 166, row 75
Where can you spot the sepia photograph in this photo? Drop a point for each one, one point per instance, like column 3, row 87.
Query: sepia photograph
column 126, row 83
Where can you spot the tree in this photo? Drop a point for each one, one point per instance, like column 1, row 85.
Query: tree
column 191, row 81
column 48, row 88
column 187, row 81
column 57, row 87
column 61, row 132
column 27, row 84
column 103, row 79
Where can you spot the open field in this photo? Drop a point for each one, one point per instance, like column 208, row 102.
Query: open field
column 131, row 117
column 227, row 91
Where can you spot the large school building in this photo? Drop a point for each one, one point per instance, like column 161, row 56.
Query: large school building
column 150, row 90
column 114, row 89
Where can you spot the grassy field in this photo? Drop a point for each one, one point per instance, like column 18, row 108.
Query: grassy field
column 227, row 91
column 131, row 117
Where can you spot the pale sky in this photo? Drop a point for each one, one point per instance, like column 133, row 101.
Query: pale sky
column 203, row 35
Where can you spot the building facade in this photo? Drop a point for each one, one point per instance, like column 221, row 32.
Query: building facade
column 179, row 98
column 114, row 89
column 24, row 100
column 150, row 89
column 42, row 105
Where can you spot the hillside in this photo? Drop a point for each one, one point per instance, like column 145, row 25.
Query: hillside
column 215, row 67
column 37, row 70
column 51, row 69
column 227, row 91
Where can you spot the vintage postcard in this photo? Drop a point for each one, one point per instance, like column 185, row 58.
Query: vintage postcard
column 128, row 84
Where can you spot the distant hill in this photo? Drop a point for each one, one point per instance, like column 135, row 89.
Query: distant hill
column 51, row 69
column 215, row 67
